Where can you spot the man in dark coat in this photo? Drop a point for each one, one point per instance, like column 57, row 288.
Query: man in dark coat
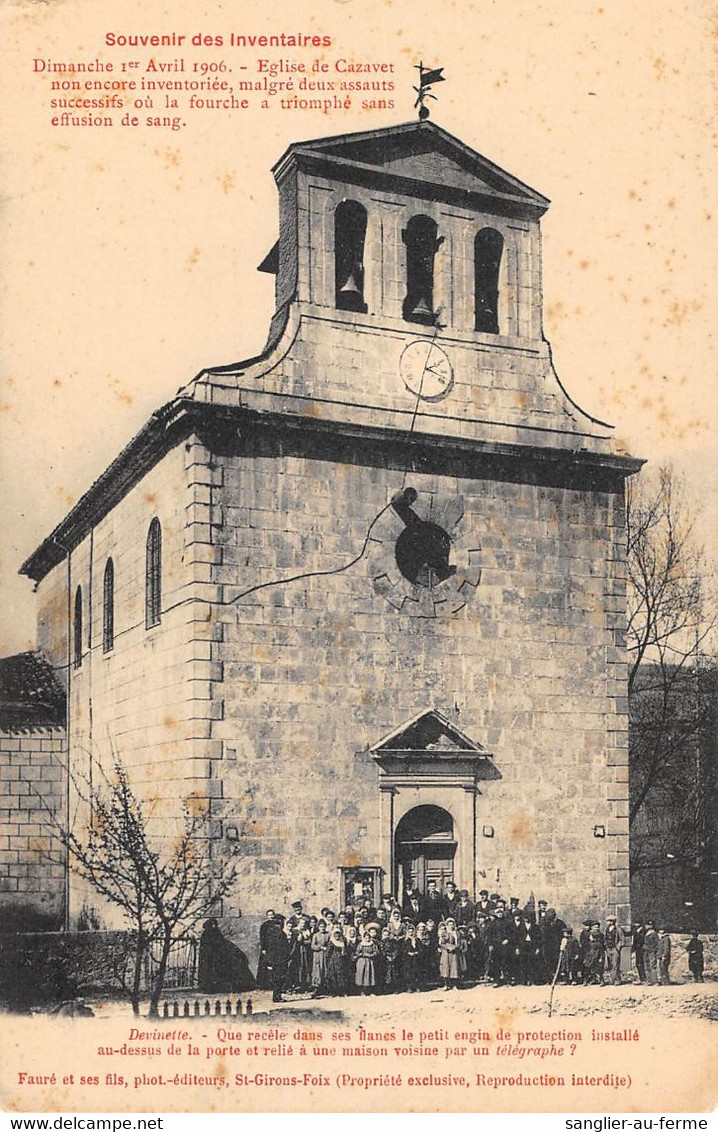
column 475, row 954
column 483, row 922
column 664, row 957
column 637, row 943
column 465, row 911
column 263, row 976
column 483, row 904
column 279, row 946
column 549, row 931
column 524, row 949
column 499, row 905
column 298, row 913
column 433, row 902
column 451, row 900
column 650, row 953
column 412, row 905
column 583, row 945
column 614, row 940
column 594, row 956
column 694, row 947
column 500, row 936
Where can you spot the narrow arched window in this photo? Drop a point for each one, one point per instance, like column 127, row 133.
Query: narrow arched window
column 77, row 629
column 108, row 607
column 349, row 235
column 421, row 243
column 488, row 249
column 153, row 574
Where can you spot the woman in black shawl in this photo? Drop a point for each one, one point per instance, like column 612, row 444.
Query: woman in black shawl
column 222, row 966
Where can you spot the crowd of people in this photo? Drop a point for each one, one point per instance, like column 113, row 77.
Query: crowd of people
column 445, row 939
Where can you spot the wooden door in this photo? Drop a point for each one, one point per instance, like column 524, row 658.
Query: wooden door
column 424, row 861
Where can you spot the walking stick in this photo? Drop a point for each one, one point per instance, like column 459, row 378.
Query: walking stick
column 561, row 950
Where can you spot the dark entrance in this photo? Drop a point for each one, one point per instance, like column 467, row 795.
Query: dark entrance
column 424, row 848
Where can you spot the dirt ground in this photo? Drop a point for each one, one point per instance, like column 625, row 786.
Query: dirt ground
column 680, row 1000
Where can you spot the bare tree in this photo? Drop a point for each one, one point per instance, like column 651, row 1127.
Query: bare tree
column 161, row 889
column 667, row 619
column 671, row 619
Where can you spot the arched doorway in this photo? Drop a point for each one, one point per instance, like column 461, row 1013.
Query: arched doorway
column 424, row 847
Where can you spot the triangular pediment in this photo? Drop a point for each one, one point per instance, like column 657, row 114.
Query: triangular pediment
column 436, row 167
column 429, row 731
column 420, row 152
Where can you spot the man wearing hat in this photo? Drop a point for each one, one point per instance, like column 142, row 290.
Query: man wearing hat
column 279, row 941
column 411, row 905
column 499, row 933
column 483, row 904
column 549, row 932
column 594, row 956
column 387, row 904
column 297, row 914
column 433, row 902
column 451, row 900
column 465, row 911
column 583, row 945
column 638, row 937
column 650, row 953
column 614, row 939
column 664, row 957
column 265, row 930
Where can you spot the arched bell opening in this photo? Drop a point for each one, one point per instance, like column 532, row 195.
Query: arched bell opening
column 350, row 221
column 488, row 250
column 422, row 243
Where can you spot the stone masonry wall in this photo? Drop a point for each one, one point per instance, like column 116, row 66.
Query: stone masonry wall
column 148, row 699
column 32, row 873
column 315, row 672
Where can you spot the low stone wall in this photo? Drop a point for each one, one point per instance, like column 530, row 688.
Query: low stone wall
column 37, row 969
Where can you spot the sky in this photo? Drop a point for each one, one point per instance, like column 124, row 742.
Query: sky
column 130, row 254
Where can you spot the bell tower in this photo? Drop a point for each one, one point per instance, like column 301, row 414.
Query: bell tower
column 408, row 226
column 408, row 292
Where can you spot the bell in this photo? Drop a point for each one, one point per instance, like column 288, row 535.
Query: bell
column 351, row 287
column 422, row 309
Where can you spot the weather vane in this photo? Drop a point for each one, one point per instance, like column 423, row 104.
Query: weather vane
column 426, row 79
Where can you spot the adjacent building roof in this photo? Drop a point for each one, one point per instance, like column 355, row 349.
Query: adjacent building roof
column 30, row 693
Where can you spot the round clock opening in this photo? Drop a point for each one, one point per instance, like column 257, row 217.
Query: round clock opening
column 422, row 554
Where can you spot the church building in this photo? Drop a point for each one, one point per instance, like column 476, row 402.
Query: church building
column 364, row 595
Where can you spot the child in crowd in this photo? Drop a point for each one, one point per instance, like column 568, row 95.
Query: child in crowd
column 366, row 956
